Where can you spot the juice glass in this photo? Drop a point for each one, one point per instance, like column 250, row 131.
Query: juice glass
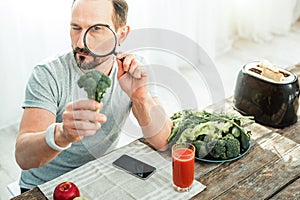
column 183, row 159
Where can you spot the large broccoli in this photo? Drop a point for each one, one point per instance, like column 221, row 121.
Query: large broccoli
column 216, row 135
column 95, row 84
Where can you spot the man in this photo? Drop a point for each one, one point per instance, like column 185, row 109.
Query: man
column 58, row 133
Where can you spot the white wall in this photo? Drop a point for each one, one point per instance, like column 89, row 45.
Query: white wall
column 30, row 31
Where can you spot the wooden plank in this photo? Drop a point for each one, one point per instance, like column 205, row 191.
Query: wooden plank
column 258, row 131
column 292, row 132
column 202, row 168
column 266, row 182
column 292, row 191
column 265, row 150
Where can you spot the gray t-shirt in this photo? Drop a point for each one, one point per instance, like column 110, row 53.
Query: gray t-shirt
column 51, row 86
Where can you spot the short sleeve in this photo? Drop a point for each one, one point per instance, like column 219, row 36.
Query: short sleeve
column 42, row 90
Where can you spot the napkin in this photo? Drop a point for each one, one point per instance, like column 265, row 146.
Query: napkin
column 99, row 179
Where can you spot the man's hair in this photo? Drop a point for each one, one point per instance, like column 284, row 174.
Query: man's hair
column 120, row 11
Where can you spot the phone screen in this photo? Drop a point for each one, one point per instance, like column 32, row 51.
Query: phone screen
column 134, row 166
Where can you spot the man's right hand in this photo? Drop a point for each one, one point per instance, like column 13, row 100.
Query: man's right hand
column 80, row 120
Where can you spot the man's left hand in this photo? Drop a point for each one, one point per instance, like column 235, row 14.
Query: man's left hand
column 132, row 78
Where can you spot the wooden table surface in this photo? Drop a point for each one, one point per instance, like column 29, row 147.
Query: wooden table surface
column 270, row 170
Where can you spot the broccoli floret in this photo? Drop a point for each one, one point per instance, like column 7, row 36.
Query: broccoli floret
column 95, row 84
column 232, row 147
column 219, row 149
column 226, row 147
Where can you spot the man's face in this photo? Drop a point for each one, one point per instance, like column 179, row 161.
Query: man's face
column 86, row 13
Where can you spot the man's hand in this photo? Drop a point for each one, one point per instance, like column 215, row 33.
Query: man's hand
column 80, row 120
column 132, row 78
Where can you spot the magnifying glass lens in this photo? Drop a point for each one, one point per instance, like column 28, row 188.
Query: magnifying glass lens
column 100, row 40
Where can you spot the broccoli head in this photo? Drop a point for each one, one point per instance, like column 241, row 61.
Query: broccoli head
column 232, row 147
column 219, row 149
column 226, row 147
column 95, row 84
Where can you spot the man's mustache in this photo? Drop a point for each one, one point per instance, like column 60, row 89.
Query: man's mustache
column 80, row 50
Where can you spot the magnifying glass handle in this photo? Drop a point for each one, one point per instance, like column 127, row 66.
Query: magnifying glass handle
column 121, row 59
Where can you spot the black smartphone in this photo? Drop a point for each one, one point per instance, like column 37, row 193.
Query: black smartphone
column 135, row 167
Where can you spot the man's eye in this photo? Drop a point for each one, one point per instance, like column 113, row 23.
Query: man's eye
column 76, row 28
column 97, row 28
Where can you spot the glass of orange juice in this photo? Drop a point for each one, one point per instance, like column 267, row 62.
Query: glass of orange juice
column 183, row 159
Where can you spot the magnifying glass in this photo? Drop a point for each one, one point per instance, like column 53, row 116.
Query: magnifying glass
column 100, row 40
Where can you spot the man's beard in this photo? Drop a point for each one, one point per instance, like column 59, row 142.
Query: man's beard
column 87, row 65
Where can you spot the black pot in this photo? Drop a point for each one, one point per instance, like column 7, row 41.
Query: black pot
column 271, row 103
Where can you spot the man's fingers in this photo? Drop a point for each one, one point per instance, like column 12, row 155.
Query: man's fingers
column 129, row 65
column 75, row 135
column 121, row 71
column 85, row 104
column 128, row 60
column 87, row 115
column 135, row 70
column 81, row 125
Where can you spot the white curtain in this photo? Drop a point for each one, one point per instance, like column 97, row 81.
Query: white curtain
column 32, row 30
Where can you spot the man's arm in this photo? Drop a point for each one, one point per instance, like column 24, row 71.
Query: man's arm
column 156, row 125
column 32, row 151
column 31, row 147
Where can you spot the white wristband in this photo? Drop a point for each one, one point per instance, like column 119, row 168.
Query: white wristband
column 50, row 138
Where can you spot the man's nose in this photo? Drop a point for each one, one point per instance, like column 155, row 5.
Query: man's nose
column 80, row 42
